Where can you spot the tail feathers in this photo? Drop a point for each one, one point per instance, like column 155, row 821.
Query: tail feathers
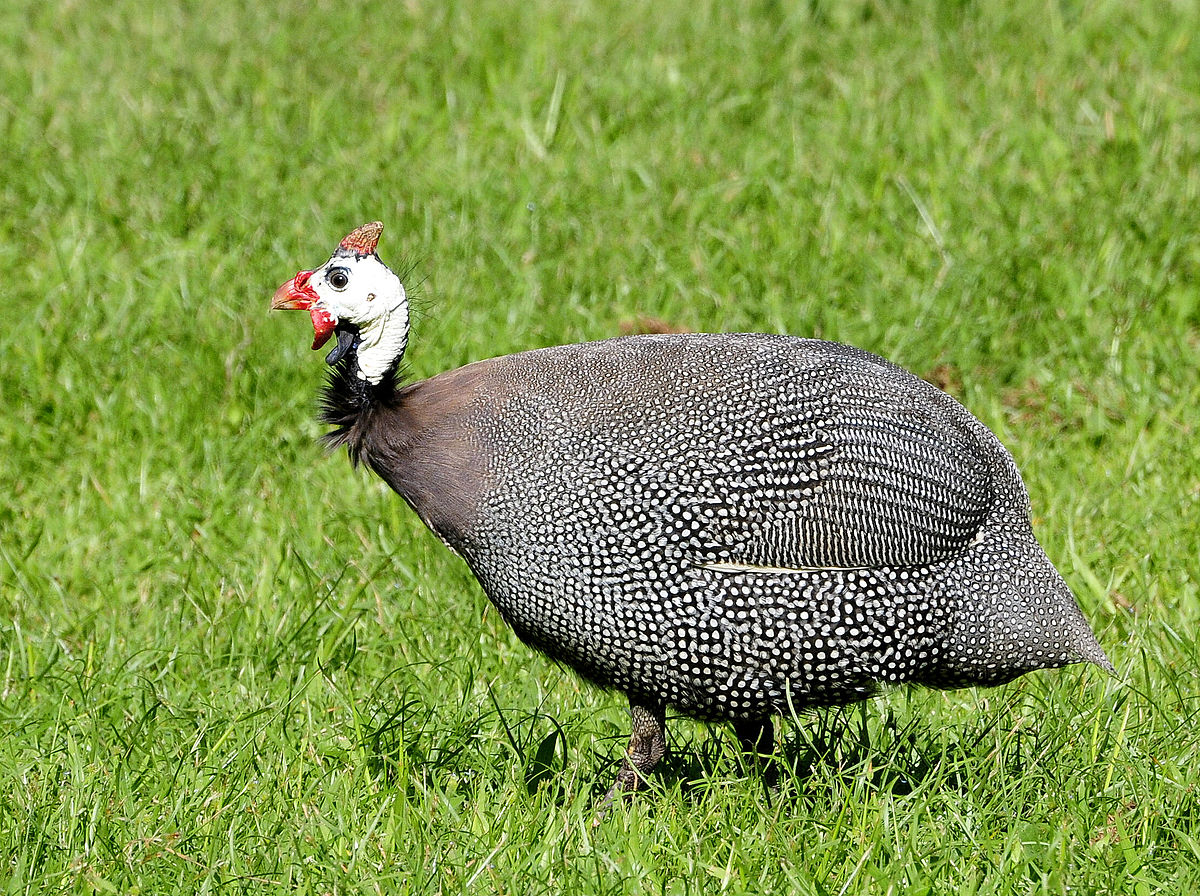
column 1090, row 651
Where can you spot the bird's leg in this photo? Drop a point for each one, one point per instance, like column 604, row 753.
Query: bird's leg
column 647, row 743
column 756, row 737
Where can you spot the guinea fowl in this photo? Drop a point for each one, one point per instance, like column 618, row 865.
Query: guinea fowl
column 732, row 526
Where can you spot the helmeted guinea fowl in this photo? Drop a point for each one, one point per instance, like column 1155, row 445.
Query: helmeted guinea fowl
column 733, row 526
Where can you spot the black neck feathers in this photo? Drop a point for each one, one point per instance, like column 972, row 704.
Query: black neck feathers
column 349, row 401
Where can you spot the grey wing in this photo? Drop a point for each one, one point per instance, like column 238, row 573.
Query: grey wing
column 854, row 464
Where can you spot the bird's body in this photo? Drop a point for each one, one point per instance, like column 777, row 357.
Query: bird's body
column 730, row 525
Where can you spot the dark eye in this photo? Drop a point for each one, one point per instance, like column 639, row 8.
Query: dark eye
column 338, row 278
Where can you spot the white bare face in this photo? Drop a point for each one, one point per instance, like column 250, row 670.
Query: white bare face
column 358, row 289
column 357, row 297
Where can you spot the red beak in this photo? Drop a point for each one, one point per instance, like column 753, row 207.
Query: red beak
column 297, row 295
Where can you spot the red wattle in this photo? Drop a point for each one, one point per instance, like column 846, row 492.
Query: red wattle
column 323, row 324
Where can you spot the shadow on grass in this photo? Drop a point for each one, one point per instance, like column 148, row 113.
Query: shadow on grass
column 820, row 758
column 827, row 754
column 817, row 759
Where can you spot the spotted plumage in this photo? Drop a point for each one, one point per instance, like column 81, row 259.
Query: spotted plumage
column 732, row 526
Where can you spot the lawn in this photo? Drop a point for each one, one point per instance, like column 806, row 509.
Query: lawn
column 230, row 663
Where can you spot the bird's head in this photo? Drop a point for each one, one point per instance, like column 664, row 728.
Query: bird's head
column 355, row 297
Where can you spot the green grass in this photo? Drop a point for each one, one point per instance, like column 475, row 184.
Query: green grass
column 228, row 663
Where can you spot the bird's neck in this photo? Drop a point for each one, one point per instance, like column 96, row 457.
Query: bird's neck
column 380, row 346
column 350, row 399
